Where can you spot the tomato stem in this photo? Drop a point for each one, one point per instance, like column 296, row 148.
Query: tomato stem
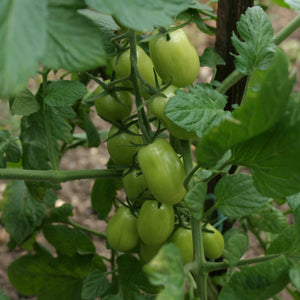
column 89, row 230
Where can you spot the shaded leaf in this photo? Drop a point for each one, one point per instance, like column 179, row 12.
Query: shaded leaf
column 24, row 104
column 9, row 148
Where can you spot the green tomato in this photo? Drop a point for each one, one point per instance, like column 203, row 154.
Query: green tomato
column 163, row 171
column 110, row 108
column 121, row 147
column 121, row 230
column 155, row 222
column 147, row 252
column 134, row 184
column 183, row 239
column 213, row 243
column 157, row 108
column 174, row 57
column 122, row 67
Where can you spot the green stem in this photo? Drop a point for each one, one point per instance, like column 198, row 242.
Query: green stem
column 216, row 266
column 287, row 30
column 236, row 75
column 55, row 176
column 142, row 118
column 209, row 212
column 86, row 229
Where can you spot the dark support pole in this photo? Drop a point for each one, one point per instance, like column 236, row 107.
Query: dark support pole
column 229, row 12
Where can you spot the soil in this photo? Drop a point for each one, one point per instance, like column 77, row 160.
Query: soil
column 78, row 192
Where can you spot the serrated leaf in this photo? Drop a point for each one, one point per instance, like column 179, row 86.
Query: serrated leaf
column 288, row 241
column 95, row 285
column 166, row 269
column 264, row 104
column 68, row 241
column 103, row 193
column 64, row 92
column 9, row 149
column 257, row 48
column 236, row 244
column 22, row 214
column 50, row 278
column 61, row 213
column 22, row 40
column 141, row 15
column 294, row 273
column 259, row 282
column 269, row 219
column 199, row 110
column 273, row 156
column 74, row 42
column 24, row 104
column 293, row 201
column 211, row 58
column 237, row 196
column 195, row 199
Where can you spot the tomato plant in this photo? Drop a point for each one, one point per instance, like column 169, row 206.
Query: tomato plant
column 163, row 171
column 155, row 222
column 183, row 151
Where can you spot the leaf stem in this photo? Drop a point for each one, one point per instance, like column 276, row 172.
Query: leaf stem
column 89, row 230
column 56, row 176
column 287, row 30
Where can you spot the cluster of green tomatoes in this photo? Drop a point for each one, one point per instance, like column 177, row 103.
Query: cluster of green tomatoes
column 154, row 174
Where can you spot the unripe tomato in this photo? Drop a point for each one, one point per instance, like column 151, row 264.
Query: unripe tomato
column 134, row 184
column 163, row 171
column 121, row 147
column 122, row 67
column 183, row 239
column 147, row 252
column 121, row 230
column 111, row 109
column 155, row 222
column 157, row 108
column 213, row 243
column 175, row 58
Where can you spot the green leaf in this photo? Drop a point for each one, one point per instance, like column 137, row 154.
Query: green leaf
column 210, row 58
column 9, row 149
column 22, row 40
column 50, row 278
column 273, row 156
column 236, row 244
column 293, row 4
column 104, row 192
column 95, row 285
column 281, row 3
column 24, row 104
column 293, row 201
column 74, row 42
column 166, row 269
column 288, row 241
column 131, row 274
column 141, row 15
column 67, row 3
column 3, row 297
column 68, row 241
column 61, row 213
column 259, row 282
column 64, row 92
column 195, row 199
column 269, row 219
column 22, row 214
column 199, row 110
column 237, row 196
column 264, row 104
column 295, row 275
column 257, row 48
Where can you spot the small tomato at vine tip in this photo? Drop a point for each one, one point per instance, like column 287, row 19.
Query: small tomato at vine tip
column 157, row 108
column 121, row 230
column 183, row 239
column 134, row 184
column 113, row 107
column 213, row 242
column 174, row 57
column 147, row 252
column 163, row 170
column 122, row 67
column 155, row 222
column 123, row 146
